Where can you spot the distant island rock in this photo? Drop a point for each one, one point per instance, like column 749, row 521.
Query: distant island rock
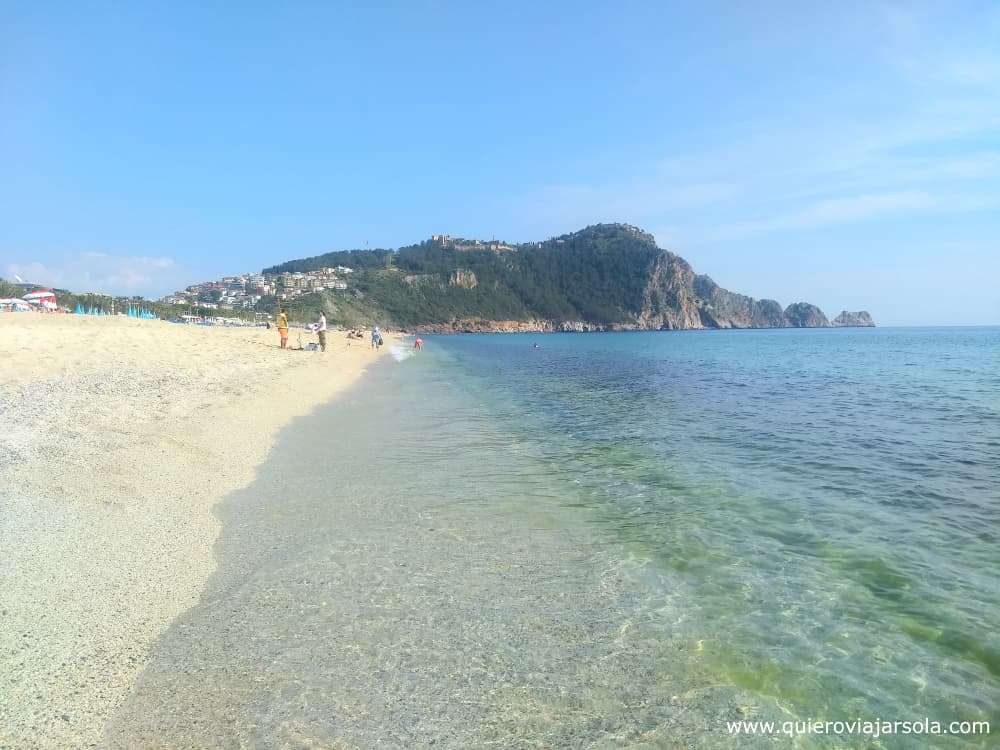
column 606, row 277
column 804, row 315
column 860, row 319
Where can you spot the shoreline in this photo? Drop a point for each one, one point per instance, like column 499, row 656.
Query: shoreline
column 423, row 602
column 121, row 437
column 448, row 330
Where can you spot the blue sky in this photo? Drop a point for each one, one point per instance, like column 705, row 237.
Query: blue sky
column 844, row 154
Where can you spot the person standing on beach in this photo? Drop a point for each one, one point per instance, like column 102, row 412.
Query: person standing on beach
column 282, row 323
column 321, row 331
column 376, row 337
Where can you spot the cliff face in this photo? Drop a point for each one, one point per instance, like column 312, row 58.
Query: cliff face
column 676, row 299
column 669, row 301
column 463, row 278
column 724, row 309
column 860, row 319
column 804, row 315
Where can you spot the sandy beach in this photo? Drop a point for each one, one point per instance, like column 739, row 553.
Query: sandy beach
column 119, row 437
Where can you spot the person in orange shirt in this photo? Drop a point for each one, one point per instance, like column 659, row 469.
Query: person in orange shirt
column 282, row 323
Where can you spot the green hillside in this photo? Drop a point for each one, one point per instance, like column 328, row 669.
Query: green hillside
column 596, row 275
column 607, row 276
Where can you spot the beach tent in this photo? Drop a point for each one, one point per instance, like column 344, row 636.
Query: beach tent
column 135, row 311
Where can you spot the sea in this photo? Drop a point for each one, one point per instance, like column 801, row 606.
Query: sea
column 612, row 540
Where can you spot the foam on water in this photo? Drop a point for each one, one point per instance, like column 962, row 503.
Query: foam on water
column 401, row 352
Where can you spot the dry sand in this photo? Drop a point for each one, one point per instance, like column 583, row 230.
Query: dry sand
column 117, row 437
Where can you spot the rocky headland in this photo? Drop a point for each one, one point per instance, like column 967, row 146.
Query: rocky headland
column 606, row 277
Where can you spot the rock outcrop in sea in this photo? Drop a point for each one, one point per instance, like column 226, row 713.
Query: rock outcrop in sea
column 804, row 315
column 859, row 319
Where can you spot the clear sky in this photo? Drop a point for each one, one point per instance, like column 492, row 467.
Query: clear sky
column 845, row 154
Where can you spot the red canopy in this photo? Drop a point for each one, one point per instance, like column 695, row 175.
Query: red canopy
column 42, row 295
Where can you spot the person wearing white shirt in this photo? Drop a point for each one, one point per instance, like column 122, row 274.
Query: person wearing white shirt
column 321, row 331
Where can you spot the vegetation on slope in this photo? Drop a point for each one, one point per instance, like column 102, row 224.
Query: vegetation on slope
column 596, row 275
column 607, row 275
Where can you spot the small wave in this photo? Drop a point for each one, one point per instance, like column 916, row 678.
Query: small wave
column 400, row 352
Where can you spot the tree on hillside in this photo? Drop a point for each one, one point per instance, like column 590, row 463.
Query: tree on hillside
column 598, row 275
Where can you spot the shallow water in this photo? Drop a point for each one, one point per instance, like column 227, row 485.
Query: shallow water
column 613, row 540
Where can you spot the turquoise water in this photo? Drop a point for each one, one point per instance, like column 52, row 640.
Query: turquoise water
column 614, row 540
column 828, row 501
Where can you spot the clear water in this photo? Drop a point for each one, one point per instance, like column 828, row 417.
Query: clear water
column 610, row 540
column 828, row 500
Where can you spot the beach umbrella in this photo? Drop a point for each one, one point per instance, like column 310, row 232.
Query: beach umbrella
column 15, row 303
column 41, row 296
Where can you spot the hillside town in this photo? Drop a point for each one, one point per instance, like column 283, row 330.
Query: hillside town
column 464, row 245
column 245, row 291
